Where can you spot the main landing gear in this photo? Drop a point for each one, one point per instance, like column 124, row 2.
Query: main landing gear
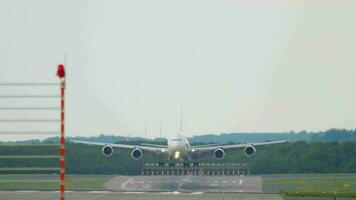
column 186, row 164
column 171, row 164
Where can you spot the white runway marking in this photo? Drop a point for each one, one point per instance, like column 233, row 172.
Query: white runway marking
column 134, row 192
column 233, row 181
column 223, row 181
column 241, row 181
column 99, row 192
column 197, row 192
column 175, row 192
column 141, row 182
column 123, row 185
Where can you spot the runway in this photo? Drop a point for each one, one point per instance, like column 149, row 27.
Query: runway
column 137, row 196
column 162, row 188
column 187, row 184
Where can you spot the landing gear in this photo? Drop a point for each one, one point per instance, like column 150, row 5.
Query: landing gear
column 171, row 164
column 195, row 164
column 186, row 164
column 160, row 164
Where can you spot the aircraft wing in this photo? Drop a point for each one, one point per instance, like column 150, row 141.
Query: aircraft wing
column 235, row 146
column 125, row 146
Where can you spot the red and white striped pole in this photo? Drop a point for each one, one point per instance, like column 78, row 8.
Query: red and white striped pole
column 61, row 75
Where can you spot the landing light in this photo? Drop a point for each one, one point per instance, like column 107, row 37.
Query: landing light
column 176, row 154
column 162, row 150
column 193, row 150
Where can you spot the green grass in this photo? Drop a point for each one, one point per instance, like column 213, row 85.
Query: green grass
column 343, row 185
column 51, row 182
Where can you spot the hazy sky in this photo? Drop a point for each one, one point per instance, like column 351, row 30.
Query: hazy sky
column 234, row 65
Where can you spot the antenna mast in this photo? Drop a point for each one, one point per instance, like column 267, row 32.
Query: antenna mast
column 160, row 129
column 181, row 118
column 145, row 129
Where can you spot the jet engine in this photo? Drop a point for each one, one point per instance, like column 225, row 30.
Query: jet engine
column 107, row 150
column 136, row 153
column 219, row 153
column 250, row 150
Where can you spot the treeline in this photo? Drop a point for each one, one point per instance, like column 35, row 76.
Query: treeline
column 321, row 136
column 295, row 157
column 330, row 135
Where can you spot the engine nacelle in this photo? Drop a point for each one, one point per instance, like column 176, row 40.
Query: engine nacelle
column 250, row 150
column 219, row 153
column 136, row 153
column 107, row 150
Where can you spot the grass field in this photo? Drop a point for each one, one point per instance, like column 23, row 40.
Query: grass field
column 343, row 185
column 51, row 182
column 290, row 184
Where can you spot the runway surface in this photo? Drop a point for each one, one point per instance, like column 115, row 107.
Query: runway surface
column 134, row 196
column 197, row 184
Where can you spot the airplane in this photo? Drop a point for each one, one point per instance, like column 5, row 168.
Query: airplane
column 178, row 149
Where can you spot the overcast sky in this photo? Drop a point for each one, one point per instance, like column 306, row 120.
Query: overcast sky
column 234, row 65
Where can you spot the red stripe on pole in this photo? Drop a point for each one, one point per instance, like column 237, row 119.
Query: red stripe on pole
column 62, row 151
column 62, row 188
column 62, row 103
column 62, row 91
column 62, row 116
column 62, row 140
column 61, row 164
column 62, row 128
column 62, row 176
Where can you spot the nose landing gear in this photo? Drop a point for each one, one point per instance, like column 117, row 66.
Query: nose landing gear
column 161, row 164
column 171, row 164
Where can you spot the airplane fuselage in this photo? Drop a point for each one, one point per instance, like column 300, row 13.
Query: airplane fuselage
column 178, row 148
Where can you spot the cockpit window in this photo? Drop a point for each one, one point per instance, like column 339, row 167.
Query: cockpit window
column 177, row 139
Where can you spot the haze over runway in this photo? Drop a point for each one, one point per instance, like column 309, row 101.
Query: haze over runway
column 234, row 65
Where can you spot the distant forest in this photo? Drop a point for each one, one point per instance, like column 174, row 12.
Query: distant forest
column 333, row 151
column 337, row 135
